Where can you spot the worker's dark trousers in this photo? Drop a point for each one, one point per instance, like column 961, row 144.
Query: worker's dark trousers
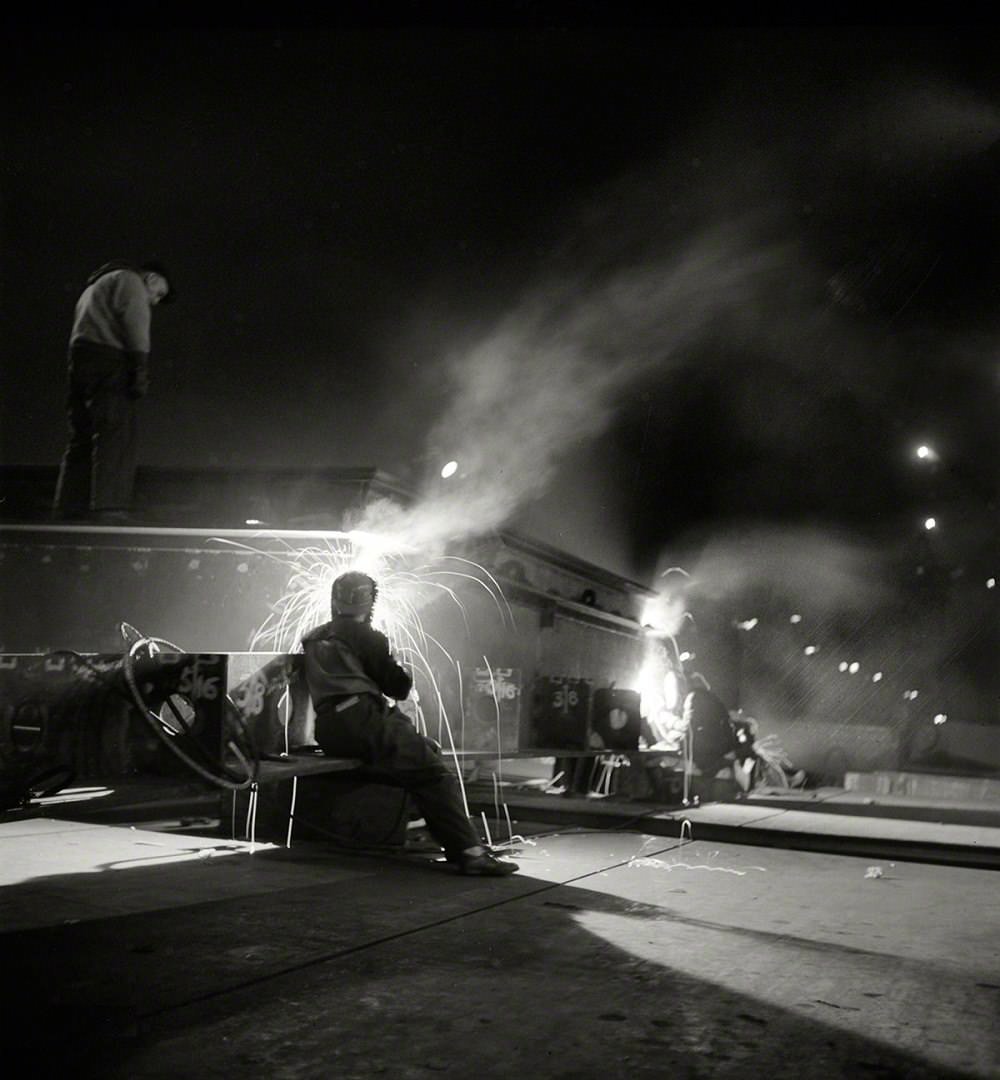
column 98, row 467
column 395, row 753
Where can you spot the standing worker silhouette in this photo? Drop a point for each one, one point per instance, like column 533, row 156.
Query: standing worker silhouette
column 108, row 373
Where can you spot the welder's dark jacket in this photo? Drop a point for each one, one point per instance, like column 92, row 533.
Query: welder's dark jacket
column 345, row 657
column 712, row 736
column 350, row 672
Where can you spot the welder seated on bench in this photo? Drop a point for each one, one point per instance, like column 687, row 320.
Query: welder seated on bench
column 725, row 740
column 350, row 673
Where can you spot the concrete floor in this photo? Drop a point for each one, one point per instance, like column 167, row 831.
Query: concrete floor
column 132, row 953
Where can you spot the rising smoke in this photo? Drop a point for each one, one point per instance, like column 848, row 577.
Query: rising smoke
column 692, row 260
column 550, row 374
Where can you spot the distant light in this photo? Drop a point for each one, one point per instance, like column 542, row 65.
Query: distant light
column 911, row 695
column 926, row 453
column 449, row 470
column 930, row 523
column 877, row 677
column 795, row 619
column 940, row 718
column 991, row 583
column 809, row 650
column 253, row 521
column 854, row 668
column 842, row 666
column 747, row 624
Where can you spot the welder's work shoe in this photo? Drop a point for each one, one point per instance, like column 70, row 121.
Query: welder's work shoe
column 485, row 864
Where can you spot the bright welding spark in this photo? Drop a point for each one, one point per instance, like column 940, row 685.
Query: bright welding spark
column 930, row 523
column 405, row 586
column 671, row 691
column 449, row 470
column 650, row 684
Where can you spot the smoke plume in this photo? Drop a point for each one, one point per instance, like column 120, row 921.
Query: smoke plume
column 550, row 374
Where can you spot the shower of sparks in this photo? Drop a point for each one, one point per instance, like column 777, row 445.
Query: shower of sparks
column 405, row 586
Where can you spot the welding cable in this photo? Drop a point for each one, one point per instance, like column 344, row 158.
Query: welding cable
column 240, row 728
column 222, row 777
column 137, row 640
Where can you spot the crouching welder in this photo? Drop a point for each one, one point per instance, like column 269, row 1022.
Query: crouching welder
column 350, row 673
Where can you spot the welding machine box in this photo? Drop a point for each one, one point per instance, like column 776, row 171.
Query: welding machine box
column 615, row 719
column 560, row 714
column 343, row 808
column 491, row 716
column 269, row 692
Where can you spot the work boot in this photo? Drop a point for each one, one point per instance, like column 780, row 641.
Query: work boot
column 485, row 864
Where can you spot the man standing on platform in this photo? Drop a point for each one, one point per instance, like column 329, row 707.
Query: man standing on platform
column 350, row 673
column 108, row 373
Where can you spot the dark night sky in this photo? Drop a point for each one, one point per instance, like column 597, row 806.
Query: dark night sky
column 739, row 271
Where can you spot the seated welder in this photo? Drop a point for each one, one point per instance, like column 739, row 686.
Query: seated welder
column 351, row 673
column 723, row 739
column 714, row 744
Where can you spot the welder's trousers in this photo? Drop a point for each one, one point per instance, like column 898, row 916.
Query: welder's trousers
column 98, row 467
column 395, row 753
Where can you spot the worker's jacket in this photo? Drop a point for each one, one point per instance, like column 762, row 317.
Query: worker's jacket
column 345, row 657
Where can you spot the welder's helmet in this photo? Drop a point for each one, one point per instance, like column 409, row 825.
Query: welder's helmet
column 353, row 593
